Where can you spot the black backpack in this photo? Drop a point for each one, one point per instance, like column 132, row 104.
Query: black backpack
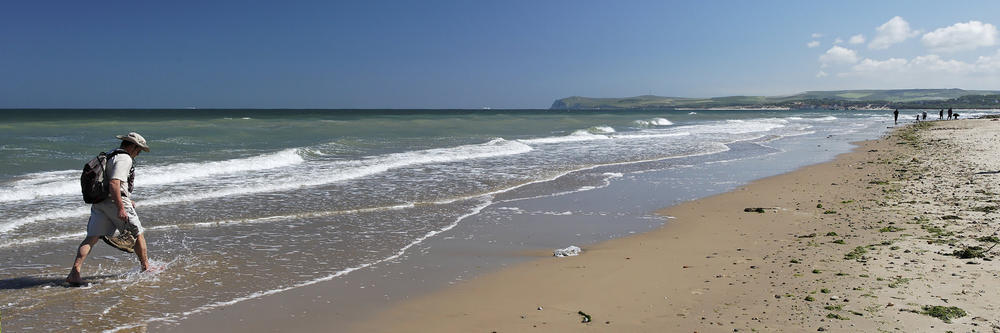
column 93, row 181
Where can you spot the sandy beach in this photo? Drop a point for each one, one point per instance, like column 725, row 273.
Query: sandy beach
column 890, row 237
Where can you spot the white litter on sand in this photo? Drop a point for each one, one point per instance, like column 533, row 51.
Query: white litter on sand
column 570, row 251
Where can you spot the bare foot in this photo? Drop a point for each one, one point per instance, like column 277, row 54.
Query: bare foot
column 153, row 268
column 74, row 278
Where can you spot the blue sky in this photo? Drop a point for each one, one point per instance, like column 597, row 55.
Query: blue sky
column 471, row 54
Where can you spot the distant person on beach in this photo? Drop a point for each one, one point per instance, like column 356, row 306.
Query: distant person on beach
column 941, row 114
column 956, row 115
column 918, row 117
column 949, row 113
column 117, row 212
column 925, row 115
column 895, row 117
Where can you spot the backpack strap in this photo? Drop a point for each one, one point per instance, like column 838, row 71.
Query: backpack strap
column 131, row 170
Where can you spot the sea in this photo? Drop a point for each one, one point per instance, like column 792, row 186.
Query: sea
column 243, row 204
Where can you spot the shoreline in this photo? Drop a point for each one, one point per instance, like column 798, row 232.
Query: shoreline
column 511, row 233
column 713, row 269
column 515, row 232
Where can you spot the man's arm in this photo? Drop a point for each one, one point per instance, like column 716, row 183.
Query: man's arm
column 116, row 194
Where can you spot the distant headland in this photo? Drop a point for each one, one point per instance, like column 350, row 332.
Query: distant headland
column 836, row 100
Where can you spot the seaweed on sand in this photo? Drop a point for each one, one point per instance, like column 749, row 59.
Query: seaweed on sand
column 856, row 254
column 970, row 252
column 946, row 314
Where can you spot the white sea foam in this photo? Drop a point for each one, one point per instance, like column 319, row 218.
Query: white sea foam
column 645, row 135
column 720, row 147
column 661, row 122
column 5, row 147
column 602, row 129
column 67, row 182
column 654, row 122
column 55, row 238
column 262, row 219
column 736, row 126
column 287, row 217
column 493, row 148
column 318, row 175
column 822, row 119
column 345, row 170
column 180, row 172
column 579, row 135
column 777, row 151
column 36, row 178
column 604, row 133
column 60, row 214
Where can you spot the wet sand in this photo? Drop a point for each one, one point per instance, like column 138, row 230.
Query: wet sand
column 866, row 242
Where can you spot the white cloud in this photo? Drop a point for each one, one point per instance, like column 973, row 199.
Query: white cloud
column 927, row 66
column 927, row 72
column 817, row 35
column 838, row 55
column 812, row 44
column 891, row 65
column 961, row 37
column 838, row 41
column 989, row 64
column 934, row 63
column 844, row 67
column 896, row 30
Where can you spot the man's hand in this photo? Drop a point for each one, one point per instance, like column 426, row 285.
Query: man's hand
column 122, row 214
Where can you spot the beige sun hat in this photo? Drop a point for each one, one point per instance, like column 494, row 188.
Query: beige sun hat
column 135, row 138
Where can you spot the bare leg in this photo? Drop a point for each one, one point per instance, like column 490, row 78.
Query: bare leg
column 140, row 251
column 81, row 254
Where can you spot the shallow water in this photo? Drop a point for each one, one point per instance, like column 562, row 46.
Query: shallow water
column 300, row 197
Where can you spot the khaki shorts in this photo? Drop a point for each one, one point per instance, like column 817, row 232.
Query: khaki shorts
column 104, row 219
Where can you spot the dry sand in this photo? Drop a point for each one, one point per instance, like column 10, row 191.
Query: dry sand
column 902, row 204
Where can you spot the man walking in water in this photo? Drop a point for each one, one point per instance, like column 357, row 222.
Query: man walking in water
column 117, row 212
column 941, row 114
column 949, row 113
column 895, row 117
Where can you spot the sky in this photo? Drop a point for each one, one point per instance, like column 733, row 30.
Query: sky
column 474, row 54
